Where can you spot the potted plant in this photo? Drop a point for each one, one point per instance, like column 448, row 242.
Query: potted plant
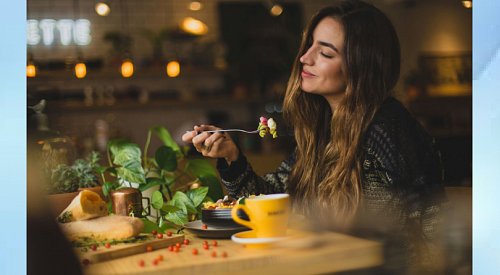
column 66, row 181
column 181, row 183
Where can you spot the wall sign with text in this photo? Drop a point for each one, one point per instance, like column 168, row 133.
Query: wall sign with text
column 64, row 32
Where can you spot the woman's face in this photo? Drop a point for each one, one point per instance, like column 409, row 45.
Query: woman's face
column 322, row 64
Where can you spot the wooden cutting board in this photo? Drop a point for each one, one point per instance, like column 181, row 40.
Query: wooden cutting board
column 123, row 250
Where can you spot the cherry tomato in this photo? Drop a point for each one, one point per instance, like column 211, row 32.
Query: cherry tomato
column 214, row 243
column 160, row 257
column 155, row 262
column 214, row 254
column 93, row 247
column 107, row 245
column 171, row 248
column 169, row 233
column 186, row 241
column 176, row 249
column 204, row 226
column 206, row 247
column 142, row 263
column 159, row 236
column 195, row 251
column 154, row 232
column 205, row 242
column 224, row 254
column 178, row 245
column 149, row 248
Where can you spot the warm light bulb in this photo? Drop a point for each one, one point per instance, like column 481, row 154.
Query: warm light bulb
column 80, row 70
column 195, row 6
column 127, row 68
column 173, row 68
column 102, row 9
column 467, row 4
column 276, row 10
column 31, row 70
column 194, row 26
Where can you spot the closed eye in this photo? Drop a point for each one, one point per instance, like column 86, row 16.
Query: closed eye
column 326, row 55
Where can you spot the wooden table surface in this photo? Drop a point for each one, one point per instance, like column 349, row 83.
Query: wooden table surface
column 310, row 254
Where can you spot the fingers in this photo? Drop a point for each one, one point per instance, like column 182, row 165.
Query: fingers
column 206, row 147
column 188, row 136
column 199, row 140
column 204, row 142
column 213, row 138
column 215, row 146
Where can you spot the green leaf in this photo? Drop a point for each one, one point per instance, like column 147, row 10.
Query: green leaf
column 182, row 201
column 100, row 169
column 185, row 150
column 124, row 151
column 109, row 206
column 178, row 217
column 197, row 195
column 166, row 158
column 170, row 179
column 130, row 175
column 166, row 138
column 150, row 182
column 214, row 186
column 160, row 223
column 200, row 167
column 107, row 187
column 169, row 208
column 157, row 200
column 127, row 155
column 111, row 170
column 149, row 226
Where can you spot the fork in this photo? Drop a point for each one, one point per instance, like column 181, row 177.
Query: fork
column 227, row 130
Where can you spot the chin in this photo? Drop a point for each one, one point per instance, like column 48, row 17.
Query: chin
column 306, row 90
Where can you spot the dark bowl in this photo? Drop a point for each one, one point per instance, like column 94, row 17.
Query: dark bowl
column 221, row 217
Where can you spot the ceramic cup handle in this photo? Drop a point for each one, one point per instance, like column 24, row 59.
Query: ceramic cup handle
column 234, row 215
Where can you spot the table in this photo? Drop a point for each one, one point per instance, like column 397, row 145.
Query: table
column 313, row 254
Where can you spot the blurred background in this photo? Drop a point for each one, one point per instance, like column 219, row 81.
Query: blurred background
column 115, row 68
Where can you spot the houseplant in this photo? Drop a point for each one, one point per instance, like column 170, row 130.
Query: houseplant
column 183, row 183
column 66, row 181
column 83, row 173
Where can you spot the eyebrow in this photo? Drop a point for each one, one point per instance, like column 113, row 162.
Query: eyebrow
column 329, row 45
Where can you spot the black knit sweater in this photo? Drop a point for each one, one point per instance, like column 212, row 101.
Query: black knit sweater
column 401, row 179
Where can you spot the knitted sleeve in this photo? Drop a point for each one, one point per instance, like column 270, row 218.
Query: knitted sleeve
column 404, row 160
column 240, row 179
column 410, row 163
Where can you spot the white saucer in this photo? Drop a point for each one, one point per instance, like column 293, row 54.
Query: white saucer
column 249, row 239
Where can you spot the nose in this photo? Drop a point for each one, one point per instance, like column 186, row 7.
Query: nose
column 306, row 58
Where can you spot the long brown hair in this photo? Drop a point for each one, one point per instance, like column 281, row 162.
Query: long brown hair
column 327, row 172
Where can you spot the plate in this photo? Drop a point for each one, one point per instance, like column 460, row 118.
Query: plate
column 212, row 231
column 221, row 218
column 249, row 239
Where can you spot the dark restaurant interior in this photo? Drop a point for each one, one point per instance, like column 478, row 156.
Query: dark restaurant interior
column 95, row 77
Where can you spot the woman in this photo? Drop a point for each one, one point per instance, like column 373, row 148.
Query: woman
column 361, row 161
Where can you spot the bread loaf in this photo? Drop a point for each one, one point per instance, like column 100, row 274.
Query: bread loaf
column 86, row 205
column 104, row 228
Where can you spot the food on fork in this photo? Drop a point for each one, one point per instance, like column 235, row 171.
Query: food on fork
column 267, row 126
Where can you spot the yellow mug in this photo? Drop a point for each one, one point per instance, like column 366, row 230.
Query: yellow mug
column 268, row 214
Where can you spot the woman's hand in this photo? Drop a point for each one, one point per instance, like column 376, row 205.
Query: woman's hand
column 213, row 145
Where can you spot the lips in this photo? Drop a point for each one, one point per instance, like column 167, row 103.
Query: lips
column 305, row 73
